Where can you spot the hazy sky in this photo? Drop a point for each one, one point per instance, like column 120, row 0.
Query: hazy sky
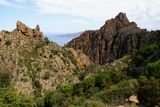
column 60, row 16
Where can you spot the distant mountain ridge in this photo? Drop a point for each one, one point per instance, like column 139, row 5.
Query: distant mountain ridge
column 62, row 39
column 113, row 40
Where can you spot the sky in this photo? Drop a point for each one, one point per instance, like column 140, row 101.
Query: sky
column 69, row 16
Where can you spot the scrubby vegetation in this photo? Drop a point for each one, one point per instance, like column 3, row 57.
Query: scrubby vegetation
column 9, row 97
column 112, row 84
column 98, row 86
column 149, row 91
column 147, row 68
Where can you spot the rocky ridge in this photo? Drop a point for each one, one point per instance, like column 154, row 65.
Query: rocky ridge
column 36, row 64
column 113, row 40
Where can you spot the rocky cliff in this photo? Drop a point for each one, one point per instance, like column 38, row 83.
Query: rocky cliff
column 117, row 37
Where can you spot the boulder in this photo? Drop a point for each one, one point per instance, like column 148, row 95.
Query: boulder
column 120, row 106
column 133, row 99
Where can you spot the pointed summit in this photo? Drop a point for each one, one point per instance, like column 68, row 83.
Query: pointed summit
column 37, row 28
column 121, row 17
column 117, row 37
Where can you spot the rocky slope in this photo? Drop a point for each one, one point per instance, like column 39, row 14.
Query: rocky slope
column 36, row 64
column 113, row 40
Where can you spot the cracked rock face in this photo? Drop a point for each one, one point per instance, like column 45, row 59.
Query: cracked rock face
column 113, row 40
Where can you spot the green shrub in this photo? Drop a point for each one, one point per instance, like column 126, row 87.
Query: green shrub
column 39, row 45
column 49, row 99
column 39, row 102
column 89, row 82
column 46, row 40
column 46, row 75
column 153, row 69
column 55, row 99
column 144, row 53
column 149, row 49
column 81, row 74
column 77, row 71
column 10, row 98
column 8, row 43
column 78, row 100
column 116, row 76
column 102, row 79
column 148, row 91
column 92, row 68
column 38, row 87
column 37, row 84
column 5, row 79
column 138, row 60
column 54, row 52
column 91, row 91
column 118, row 93
column 94, row 104
column 67, row 90
column 145, row 56
column 78, row 89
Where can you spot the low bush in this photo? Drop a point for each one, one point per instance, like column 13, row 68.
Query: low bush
column 153, row 70
column 5, row 79
column 148, row 91
column 102, row 80
column 118, row 93
column 67, row 90
column 10, row 98
column 94, row 104
column 8, row 43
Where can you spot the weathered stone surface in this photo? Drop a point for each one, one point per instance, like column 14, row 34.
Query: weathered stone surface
column 82, row 60
column 133, row 99
column 113, row 40
column 28, row 31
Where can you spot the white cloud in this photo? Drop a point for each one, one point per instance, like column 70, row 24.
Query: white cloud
column 78, row 21
column 96, row 9
column 145, row 12
column 22, row 4
column 5, row 3
column 142, row 11
column 19, row 1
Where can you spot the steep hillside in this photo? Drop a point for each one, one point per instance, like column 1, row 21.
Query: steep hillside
column 36, row 64
column 36, row 72
column 113, row 40
column 131, row 81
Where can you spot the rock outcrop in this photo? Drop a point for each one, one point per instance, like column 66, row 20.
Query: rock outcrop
column 82, row 60
column 133, row 99
column 28, row 31
column 28, row 57
column 113, row 40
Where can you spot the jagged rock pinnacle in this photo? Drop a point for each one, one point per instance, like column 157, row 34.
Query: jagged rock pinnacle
column 21, row 27
column 113, row 40
column 122, row 18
